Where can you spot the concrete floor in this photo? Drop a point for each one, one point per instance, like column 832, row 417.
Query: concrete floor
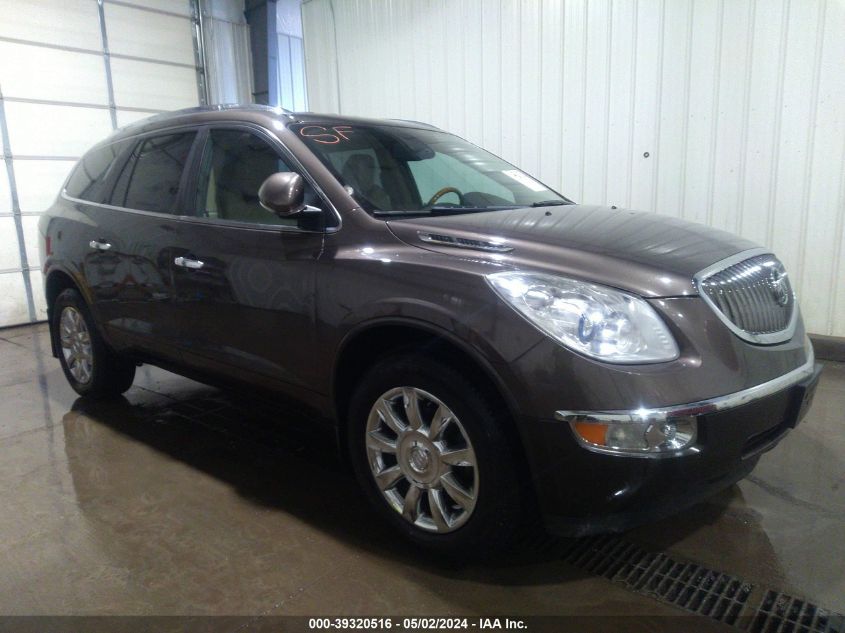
column 181, row 499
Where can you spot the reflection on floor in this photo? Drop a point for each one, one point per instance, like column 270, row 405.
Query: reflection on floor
column 182, row 499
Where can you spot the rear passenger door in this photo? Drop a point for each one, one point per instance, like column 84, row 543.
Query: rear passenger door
column 144, row 208
column 246, row 276
column 99, row 247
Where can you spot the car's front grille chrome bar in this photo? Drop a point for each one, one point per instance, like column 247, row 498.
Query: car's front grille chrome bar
column 752, row 295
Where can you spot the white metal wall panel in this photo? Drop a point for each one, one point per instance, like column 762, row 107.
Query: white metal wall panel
column 290, row 59
column 9, row 258
column 733, row 110
column 12, row 309
column 71, row 23
column 38, row 183
column 127, row 117
column 228, row 56
column 36, row 282
column 22, row 63
column 726, row 112
column 55, row 102
column 290, row 73
column 823, row 243
column 179, row 7
column 36, row 129
column 150, row 34
column 5, row 194
column 321, row 65
column 153, row 86
column 30, row 232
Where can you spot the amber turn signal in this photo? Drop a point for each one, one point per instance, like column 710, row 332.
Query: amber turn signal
column 640, row 434
column 591, row 432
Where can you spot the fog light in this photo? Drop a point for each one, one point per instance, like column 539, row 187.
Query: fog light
column 637, row 433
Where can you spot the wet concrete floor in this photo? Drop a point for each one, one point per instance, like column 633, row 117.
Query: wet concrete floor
column 183, row 499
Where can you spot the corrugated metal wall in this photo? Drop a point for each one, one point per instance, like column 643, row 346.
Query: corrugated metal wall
column 290, row 62
column 228, row 60
column 728, row 112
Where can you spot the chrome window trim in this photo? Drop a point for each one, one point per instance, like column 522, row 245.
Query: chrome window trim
column 771, row 338
column 232, row 224
column 692, row 409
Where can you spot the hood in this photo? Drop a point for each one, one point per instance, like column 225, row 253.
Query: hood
column 649, row 254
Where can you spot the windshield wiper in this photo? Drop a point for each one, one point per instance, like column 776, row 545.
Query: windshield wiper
column 447, row 210
column 549, row 203
column 438, row 210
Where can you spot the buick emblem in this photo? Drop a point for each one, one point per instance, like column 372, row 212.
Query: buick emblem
column 779, row 287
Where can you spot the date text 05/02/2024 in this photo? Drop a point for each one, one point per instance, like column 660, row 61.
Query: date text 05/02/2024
column 416, row 624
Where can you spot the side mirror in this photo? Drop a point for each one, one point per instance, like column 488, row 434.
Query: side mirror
column 283, row 194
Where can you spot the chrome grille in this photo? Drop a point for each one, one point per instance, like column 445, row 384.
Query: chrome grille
column 754, row 295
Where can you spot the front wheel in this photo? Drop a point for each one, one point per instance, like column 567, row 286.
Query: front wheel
column 90, row 366
column 430, row 449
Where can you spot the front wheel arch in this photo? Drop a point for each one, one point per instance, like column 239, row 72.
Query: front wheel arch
column 391, row 336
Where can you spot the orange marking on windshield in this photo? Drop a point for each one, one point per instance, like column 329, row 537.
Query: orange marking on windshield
column 326, row 136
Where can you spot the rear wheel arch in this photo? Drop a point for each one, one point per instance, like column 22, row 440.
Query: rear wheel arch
column 57, row 281
column 91, row 367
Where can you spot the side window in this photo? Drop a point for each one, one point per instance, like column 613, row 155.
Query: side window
column 87, row 182
column 235, row 164
column 150, row 179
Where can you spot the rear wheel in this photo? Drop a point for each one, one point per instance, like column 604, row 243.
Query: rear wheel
column 430, row 450
column 90, row 366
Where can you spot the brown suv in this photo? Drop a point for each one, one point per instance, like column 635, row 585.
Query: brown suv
column 484, row 347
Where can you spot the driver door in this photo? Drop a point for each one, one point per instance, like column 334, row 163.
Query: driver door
column 246, row 277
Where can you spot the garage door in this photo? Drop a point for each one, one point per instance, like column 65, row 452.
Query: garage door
column 70, row 73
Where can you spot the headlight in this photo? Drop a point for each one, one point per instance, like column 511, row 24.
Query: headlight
column 594, row 320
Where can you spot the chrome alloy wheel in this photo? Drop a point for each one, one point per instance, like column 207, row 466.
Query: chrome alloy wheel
column 422, row 460
column 76, row 345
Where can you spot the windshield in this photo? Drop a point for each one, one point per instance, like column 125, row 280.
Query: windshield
column 392, row 170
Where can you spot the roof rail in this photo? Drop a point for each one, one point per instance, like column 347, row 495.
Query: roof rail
column 210, row 108
column 428, row 125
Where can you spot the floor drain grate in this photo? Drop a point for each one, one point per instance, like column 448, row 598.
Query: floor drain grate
column 781, row 613
column 686, row 585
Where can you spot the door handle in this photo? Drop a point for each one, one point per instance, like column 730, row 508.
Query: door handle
column 187, row 262
column 97, row 245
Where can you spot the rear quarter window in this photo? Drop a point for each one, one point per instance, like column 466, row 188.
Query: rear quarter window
column 89, row 177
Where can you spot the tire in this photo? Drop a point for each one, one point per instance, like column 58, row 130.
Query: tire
column 490, row 470
column 90, row 366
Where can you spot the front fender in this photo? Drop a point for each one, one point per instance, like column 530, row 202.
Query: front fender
column 434, row 296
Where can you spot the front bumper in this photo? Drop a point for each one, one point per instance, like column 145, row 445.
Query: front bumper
column 582, row 491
